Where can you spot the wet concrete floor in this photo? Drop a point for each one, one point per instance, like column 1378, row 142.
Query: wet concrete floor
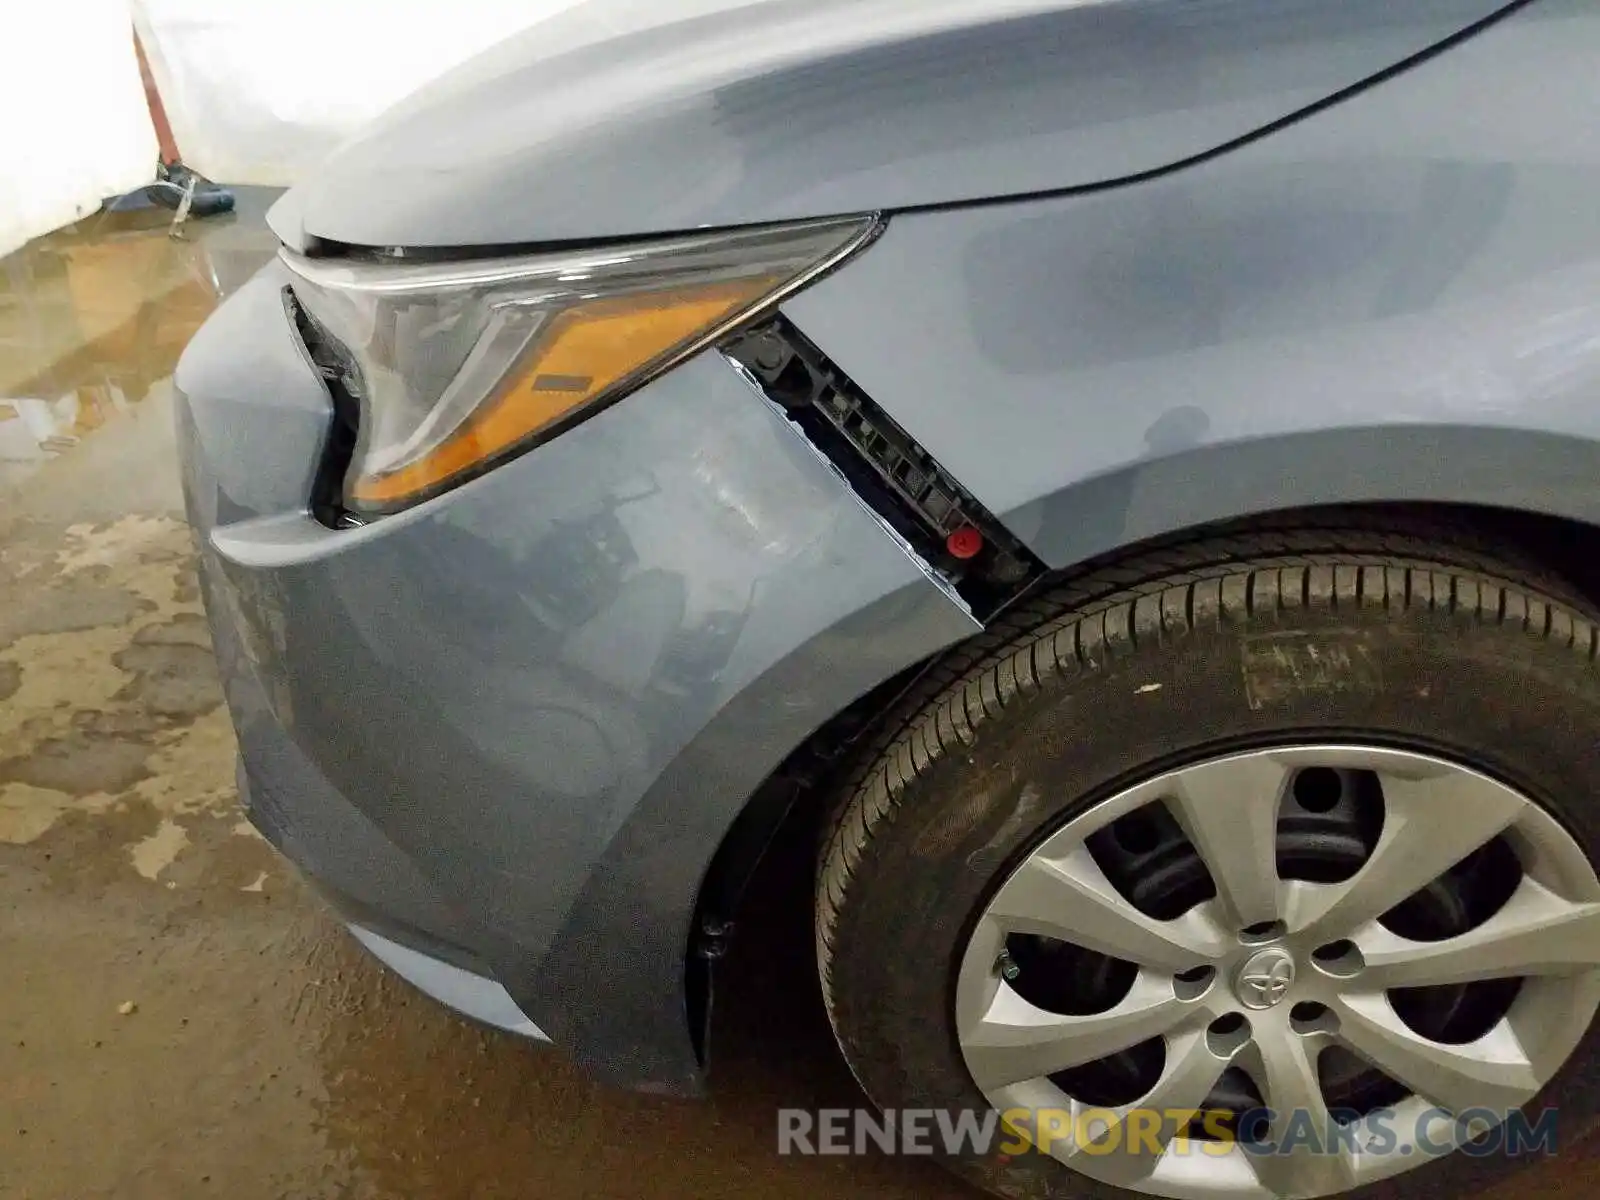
column 178, row 1016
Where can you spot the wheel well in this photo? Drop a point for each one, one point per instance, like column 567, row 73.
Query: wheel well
column 787, row 803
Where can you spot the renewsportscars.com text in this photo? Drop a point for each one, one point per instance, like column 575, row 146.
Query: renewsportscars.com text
column 1476, row 1132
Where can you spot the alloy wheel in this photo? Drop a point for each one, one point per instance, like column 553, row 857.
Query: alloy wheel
column 1237, row 970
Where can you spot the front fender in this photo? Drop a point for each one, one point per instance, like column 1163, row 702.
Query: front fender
column 1393, row 300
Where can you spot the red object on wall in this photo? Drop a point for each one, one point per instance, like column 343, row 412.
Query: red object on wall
column 158, row 111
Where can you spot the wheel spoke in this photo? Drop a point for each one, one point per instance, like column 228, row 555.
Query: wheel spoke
column 1535, row 933
column 1309, row 1158
column 1191, row 1071
column 1070, row 899
column 1229, row 809
column 1430, row 824
column 1261, row 926
column 979, row 979
column 1492, row 1072
column 1016, row 1040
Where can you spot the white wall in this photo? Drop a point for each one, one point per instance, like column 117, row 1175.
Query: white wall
column 74, row 125
column 259, row 90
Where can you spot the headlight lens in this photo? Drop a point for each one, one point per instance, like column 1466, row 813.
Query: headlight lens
column 464, row 365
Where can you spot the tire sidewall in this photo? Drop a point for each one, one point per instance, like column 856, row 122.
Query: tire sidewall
column 1516, row 703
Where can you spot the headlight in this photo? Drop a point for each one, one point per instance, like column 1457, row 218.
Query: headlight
column 463, row 365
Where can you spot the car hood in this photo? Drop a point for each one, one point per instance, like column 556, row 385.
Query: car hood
column 624, row 117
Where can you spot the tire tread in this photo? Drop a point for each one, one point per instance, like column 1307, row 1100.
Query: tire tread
column 1160, row 595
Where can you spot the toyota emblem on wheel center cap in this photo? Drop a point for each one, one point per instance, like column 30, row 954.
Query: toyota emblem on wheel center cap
column 1265, row 978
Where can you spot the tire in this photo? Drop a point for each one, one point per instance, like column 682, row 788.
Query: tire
column 1152, row 662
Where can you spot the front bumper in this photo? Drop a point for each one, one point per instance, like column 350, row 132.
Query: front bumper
column 516, row 721
column 470, row 994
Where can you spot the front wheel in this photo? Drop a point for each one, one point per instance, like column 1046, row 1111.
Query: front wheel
column 1256, row 868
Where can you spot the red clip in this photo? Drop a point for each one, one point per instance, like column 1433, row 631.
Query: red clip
column 964, row 543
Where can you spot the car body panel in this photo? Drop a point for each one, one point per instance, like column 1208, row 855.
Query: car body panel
column 629, row 117
column 1395, row 299
column 520, row 717
column 470, row 994
column 508, row 729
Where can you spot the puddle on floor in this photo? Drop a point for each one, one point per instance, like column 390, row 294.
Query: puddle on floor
column 110, row 696
column 92, row 320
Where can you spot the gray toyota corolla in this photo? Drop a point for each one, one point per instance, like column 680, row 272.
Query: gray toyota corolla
column 1132, row 469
